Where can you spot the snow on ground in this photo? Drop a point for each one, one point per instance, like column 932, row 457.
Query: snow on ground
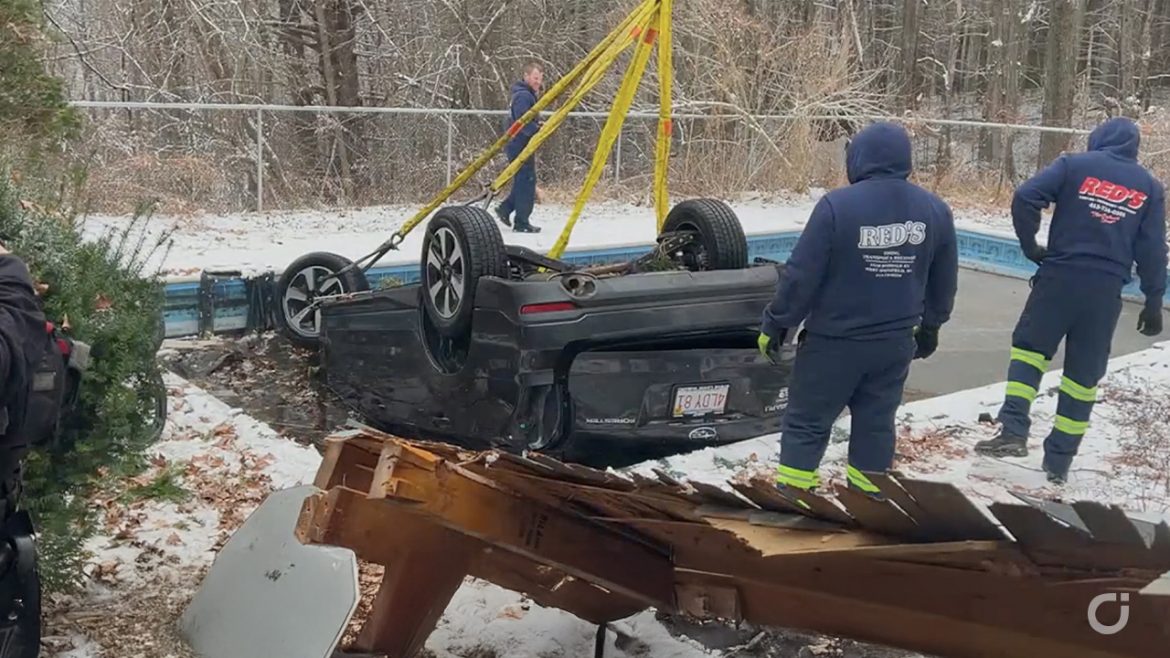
column 149, row 559
column 1123, row 459
column 215, row 464
column 272, row 240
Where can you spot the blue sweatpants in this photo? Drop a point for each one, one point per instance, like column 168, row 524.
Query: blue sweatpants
column 830, row 374
column 1081, row 308
column 522, row 198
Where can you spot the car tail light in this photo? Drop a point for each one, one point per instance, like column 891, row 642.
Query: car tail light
column 547, row 307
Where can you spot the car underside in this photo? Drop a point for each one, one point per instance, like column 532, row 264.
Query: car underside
column 500, row 346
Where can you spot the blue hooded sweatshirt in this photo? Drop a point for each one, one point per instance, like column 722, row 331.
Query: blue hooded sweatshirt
column 877, row 257
column 523, row 98
column 1110, row 211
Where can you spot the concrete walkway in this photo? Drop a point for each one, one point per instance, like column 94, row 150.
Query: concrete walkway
column 974, row 345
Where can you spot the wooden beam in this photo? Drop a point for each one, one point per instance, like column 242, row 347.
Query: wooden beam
column 462, row 501
column 379, row 531
column 942, row 611
column 416, row 588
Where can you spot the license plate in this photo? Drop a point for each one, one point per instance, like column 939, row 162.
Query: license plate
column 700, row 400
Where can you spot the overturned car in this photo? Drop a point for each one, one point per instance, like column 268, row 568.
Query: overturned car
column 499, row 346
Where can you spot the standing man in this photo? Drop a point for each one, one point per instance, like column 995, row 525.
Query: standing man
column 1110, row 212
column 875, row 273
column 523, row 194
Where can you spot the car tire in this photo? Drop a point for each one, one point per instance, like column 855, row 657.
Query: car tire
column 294, row 294
column 462, row 245
column 722, row 244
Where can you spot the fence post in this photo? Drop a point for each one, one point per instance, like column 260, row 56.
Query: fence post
column 450, row 146
column 259, row 160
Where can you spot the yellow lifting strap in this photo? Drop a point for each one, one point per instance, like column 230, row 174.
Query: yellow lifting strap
column 665, row 124
column 642, row 19
column 612, row 129
column 619, row 34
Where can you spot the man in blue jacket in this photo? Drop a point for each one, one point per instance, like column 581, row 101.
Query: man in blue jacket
column 873, row 277
column 1110, row 212
column 523, row 195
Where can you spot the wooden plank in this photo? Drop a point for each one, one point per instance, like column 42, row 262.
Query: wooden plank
column 552, row 588
column 894, row 491
column 1062, row 512
column 880, row 516
column 340, row 466
column 666, row 478
column 947, row 512
column 579, row 476
column 709, row 601
column 821, row 507
column 371, row 529
column 791, row 522
column 714, row 495
column 949, row 613
column 1109, row 524
column 1051, row 543
column 582, row 548
column 770, row 542
column 415, row 590
column 1034, row 529
column 768, row 498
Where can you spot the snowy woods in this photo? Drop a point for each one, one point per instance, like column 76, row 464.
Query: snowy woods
column 1057, row 62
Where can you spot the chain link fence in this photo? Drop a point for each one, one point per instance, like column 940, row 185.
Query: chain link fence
column 230, row 158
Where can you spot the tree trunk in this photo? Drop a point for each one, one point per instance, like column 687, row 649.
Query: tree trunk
column 908, row 57
column 1059, row 75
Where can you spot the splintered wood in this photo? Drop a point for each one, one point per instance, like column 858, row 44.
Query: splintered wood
column 925, row 569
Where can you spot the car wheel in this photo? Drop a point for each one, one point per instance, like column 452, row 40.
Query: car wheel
column 720, row 243
column 462, row 245
column 306, row 279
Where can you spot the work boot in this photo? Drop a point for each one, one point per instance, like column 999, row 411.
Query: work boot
column 503, row 216
column 526, row 228
column 1003, row 445
column 1056, row 474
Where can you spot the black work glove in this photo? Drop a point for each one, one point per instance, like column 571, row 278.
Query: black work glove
column 1035, row 253
column 927, row 339
column 1150, row 321
column 770, row 346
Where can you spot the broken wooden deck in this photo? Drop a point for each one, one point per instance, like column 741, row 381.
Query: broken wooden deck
column 928, row 571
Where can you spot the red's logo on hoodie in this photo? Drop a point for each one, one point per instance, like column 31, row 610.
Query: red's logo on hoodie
column 1095, row 188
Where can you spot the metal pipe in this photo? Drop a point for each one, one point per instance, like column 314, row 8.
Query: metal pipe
column 450, row 146
column 259, row 160
column 326, row 109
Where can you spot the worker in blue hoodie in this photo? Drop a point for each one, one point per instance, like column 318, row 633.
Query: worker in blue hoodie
column 873, row 278
column 1110, row 213
column 522, row 197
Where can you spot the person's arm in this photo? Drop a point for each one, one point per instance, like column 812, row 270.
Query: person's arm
column 942, row 282
column 521, row 103
column 803, row 274
column 18, row 301
column 1033, row 196
column 1151, row 252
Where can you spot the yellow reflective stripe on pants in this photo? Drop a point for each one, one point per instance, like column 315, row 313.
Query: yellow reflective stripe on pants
column 858, row 479
column 795, row 477
column 1076, row 391
column 1070, row 426
column 1021, row 390
column 1035, row 359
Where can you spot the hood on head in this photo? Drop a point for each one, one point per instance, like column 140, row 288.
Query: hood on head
column 881, row 150
column 1119, row 136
